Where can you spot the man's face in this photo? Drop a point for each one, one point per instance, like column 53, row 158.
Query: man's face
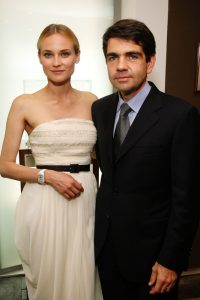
column 127, row 66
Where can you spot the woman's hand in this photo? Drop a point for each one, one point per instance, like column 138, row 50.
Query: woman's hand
column 64, row 183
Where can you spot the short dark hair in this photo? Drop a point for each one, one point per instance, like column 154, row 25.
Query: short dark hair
column 134, row 30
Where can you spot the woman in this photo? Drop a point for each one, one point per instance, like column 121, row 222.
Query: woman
column 55, row 212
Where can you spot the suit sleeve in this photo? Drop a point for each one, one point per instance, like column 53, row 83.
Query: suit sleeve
column 185, row 192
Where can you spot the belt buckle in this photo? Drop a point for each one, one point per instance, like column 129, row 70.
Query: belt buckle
column 74, row 168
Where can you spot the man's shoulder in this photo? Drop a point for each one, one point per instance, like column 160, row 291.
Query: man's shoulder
column 170, row 100
column 105, row 100
column 178, row 103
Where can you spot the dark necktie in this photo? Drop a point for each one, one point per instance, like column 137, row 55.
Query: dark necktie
column 122, row 126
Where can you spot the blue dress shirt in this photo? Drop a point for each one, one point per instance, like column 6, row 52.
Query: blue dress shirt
column 135, row 103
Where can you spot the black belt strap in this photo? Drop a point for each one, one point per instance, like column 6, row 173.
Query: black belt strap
column 73, row 168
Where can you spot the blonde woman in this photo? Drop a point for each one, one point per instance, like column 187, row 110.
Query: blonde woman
column 55, row 213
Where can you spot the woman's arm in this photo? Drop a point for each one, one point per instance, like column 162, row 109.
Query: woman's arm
column 14, row 129
column 65, row 184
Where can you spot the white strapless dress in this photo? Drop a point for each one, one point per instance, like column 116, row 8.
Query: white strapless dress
column 54, row 236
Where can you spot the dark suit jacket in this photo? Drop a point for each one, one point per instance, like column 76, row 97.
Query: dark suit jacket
column 149, row 195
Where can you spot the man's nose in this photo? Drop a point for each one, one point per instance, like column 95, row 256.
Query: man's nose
column 122, row 64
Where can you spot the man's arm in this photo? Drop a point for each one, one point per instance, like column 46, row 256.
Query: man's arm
column 185, row 204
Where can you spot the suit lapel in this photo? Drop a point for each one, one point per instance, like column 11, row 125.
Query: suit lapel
column 146, row 118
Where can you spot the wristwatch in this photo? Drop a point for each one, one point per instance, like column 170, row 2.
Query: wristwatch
column 41, row 179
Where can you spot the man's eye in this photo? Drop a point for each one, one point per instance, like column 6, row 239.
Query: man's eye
column 111, row 58
column 133, row 56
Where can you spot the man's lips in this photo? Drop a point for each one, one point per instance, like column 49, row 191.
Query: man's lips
column 122, row 78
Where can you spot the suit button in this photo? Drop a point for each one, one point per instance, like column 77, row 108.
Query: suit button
column 107, row 216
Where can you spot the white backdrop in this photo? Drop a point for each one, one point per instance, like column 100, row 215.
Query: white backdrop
column 154, row 13
column 21, row 22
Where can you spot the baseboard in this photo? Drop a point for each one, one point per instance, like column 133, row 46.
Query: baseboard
column 12, row 271
column 192, row 271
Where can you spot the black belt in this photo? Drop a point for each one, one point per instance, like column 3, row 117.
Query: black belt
column 73, row 168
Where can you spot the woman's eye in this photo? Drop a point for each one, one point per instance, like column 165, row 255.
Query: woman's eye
column 47, row 55
column 65, row 54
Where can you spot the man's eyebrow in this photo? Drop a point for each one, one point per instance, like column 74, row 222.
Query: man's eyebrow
column 134, row 52
column 111, row 54
column 126, row 53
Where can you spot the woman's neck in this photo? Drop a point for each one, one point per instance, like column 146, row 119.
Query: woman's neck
column 59, row 91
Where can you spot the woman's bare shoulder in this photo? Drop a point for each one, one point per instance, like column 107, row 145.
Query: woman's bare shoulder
column 88, row 96
column 22, row 100
column 24, row 105
column 26, row 99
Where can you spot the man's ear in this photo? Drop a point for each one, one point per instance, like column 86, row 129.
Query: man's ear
column 151, row 64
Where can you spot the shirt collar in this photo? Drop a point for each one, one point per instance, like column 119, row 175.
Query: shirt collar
column 136, row 102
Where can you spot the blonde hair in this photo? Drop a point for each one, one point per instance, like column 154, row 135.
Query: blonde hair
column 62, row 29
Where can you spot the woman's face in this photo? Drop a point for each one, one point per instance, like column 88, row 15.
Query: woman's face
column 58, row 58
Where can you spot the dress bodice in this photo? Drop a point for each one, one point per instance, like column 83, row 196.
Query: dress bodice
column 62, row 142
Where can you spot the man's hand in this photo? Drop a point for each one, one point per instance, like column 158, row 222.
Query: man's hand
column 162, row 279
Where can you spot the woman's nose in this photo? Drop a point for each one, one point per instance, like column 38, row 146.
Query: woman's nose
column 56, row 60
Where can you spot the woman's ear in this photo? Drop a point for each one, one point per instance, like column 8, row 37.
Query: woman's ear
column 77, row 58
column 39, row 57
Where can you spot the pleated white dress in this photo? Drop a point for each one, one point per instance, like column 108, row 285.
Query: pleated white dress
column 54, row 236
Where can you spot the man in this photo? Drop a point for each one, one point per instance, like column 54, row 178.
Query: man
column 147, row 205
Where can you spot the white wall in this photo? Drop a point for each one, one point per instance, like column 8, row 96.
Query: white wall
column 154, row 13
column 21, row 23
